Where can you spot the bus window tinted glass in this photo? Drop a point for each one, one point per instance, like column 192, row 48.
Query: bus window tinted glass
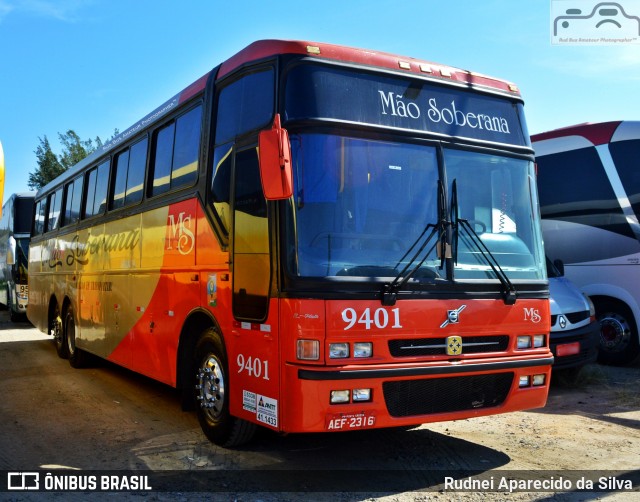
column 24, row 215
column 102, row 183
column 163, row 159
column 244, row 105
column 221, row 185
column 38, row 226
column 135, row 177
column 176, row 151
column 573, row 187
column 92, row 176
column 96, row 197
column 55, row 203
column 626, row 155
column 185, row 152
column 73, row 196
column 120, row 185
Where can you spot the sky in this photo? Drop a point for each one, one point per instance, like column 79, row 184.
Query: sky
column 97, row 65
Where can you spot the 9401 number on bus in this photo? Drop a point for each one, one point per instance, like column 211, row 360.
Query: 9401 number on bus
column 379, row 318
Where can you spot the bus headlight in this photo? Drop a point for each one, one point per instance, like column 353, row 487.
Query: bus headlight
column 539, row 341
column 338, row 350
column 524, row 342
column 339, row 396
column 361, row 395
column 362, row 349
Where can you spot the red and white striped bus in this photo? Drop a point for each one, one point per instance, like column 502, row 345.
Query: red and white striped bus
column 589, row 184
column 308, row 238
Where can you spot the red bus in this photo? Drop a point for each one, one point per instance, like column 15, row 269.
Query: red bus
column 308, row 238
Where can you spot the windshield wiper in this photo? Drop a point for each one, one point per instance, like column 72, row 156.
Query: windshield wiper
column 390, row 290
column 509, row 293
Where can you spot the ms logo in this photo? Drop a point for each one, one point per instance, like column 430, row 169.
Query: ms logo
column 532, row 315
column 181, row 233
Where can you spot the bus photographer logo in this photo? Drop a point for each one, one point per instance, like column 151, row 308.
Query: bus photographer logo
column 593, row 22
column 23, row 481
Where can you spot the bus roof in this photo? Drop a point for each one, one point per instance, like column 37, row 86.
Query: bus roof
column 584, row 136
column 597, row 133
column 266, row 48
column 269, row 48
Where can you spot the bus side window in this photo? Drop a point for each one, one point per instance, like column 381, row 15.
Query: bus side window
column 221, row 185
column 176, row 149
column 244, row 105
column 38, row 225
column 185, row 153
column 129, row 175
column 96, row 196
column 73, row 196
column 55, row 203
column 163, row 159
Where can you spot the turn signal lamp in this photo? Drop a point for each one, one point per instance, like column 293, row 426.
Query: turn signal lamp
column 308, row 350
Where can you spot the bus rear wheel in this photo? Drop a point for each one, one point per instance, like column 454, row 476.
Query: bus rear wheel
column 212, row 394
column 618, row 333
column 77, row 357
column 57, row 331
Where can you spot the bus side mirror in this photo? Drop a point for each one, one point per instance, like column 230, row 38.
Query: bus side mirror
column 11, row 251
column 275, row 162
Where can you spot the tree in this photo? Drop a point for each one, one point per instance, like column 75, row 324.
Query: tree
column 51, row 166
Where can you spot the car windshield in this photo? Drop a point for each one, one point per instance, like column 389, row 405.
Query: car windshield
column 368, row 208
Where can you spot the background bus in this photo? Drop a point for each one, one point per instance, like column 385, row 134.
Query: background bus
column 589, row 186
column 377, row 263
column 15, row 233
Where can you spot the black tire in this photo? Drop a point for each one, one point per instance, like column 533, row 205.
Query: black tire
column 618, row 333
column 211, row 372
column 57, row 331
column 77, row 357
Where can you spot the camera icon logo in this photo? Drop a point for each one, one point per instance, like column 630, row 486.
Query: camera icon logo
column 595, row 22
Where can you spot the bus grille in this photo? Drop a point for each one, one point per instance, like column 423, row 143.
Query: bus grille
column 446, row 395
column 437, row 346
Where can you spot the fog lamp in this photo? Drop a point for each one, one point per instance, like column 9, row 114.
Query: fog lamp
column 361, row 395
column 338, row 350
column 524, row 381
column 339, row 396
column 308, row 350
column 362, row 349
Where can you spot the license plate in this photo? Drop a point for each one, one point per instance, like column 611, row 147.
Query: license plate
column 349, row 421
column 568, row 349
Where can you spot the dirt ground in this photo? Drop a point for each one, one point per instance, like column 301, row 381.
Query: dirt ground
column 106, row 418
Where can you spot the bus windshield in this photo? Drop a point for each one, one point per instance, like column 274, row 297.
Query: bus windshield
column 361, row 205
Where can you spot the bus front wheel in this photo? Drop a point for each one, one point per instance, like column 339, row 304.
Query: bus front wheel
column 618, row 333
column 212, row 394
